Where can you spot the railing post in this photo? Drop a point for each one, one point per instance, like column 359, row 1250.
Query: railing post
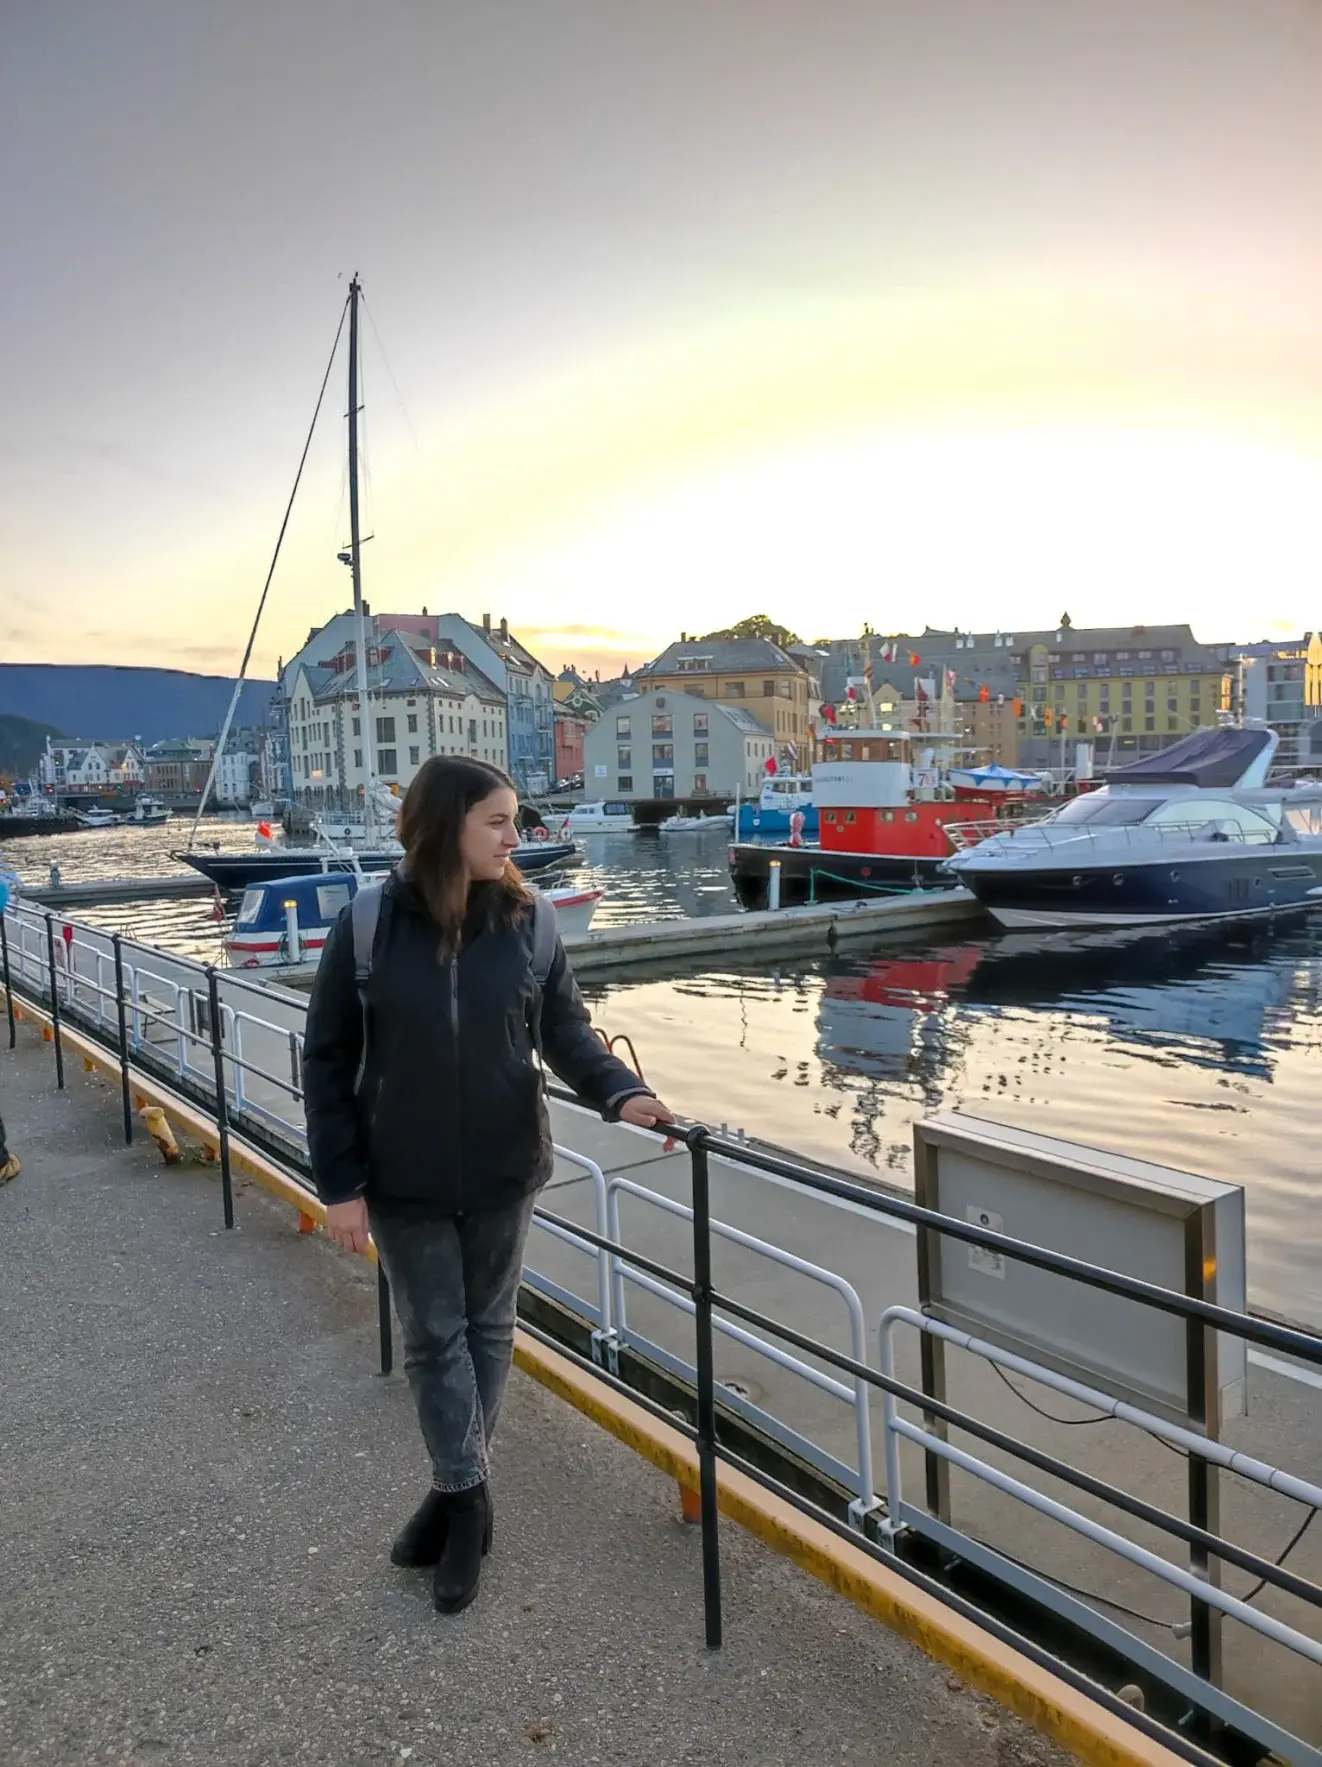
column 54, row 1003
column 702, row 1293
column 383, row 1318
column 9, row 984
column 222, row 1103
column 121, row 1018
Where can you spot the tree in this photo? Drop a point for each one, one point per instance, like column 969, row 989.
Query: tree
column 756, row 626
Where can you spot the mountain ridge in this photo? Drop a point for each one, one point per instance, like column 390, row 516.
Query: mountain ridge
column 106, row 702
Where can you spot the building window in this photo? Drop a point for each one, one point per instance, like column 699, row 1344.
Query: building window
column 624, row 782
column 1099, row 656
column 385, row 730
column 413, row 723
column 1149, row 723
column 1172, row 704
column 1172, row 723
column 414, row 755
column 451, row 726
column 663, row 754
column 386, row 759
column 734, row 690
column 624, row 758
column 1122, row 656
column 357, row 757
column 1126, row 724
column 1169, row 656
column 700, row 722
column 768, row 689
column 701, row 754
column 623, row 727
column 1039, row 671
column 699, row 783
column 662, row 724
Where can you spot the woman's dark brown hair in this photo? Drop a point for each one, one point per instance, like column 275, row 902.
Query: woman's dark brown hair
column 431, row 826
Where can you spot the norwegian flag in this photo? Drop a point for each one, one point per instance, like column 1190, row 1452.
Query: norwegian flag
column 950, row 681
column 887, row 652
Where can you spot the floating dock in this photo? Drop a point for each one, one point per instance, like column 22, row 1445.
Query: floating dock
column 117, row 889
column 820, row 928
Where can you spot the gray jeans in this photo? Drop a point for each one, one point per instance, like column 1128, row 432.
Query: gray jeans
column 455, row 1285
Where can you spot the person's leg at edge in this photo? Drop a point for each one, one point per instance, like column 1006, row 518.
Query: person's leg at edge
column 423, row 1263
column 10, row 1165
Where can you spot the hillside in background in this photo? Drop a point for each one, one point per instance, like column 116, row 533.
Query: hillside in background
column 99, row 703
column 21, row 742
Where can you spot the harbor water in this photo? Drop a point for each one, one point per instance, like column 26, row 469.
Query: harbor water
column 1199, row 1050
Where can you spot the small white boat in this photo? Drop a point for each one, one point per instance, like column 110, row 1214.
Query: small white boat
column 97, row 818
column 149, row 813
column 696, row 824
column 282, row 924
column 605, row 816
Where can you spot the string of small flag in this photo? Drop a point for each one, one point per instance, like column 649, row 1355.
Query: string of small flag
column 925, row 691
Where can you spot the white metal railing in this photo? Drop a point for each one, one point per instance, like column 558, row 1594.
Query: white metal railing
column 860, row 1477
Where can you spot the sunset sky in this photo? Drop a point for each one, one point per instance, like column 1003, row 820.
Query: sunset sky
column 965, row 312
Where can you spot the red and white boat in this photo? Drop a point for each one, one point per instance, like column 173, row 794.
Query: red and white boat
column 886, row 825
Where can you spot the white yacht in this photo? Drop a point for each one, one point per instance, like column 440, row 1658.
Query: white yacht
column 1191, row 834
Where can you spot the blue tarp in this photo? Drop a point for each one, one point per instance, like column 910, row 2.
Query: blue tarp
column 1214, row 760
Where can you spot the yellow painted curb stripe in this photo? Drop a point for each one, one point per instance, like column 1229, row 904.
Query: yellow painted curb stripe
column 1088, row 1730
column 1042, row 1699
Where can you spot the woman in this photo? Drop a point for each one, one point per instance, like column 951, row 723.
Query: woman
column 427, row 1123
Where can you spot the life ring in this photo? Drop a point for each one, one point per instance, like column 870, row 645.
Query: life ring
column 540, row 834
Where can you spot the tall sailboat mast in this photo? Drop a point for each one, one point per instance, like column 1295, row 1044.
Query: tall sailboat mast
column 366, row 724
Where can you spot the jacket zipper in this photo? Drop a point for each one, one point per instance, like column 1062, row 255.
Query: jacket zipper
column 458, row 1084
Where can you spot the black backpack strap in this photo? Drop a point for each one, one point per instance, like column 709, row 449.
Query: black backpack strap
column 364, row 918
column 545, row 938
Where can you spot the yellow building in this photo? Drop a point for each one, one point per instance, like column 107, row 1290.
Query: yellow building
column 1136, row 689
column 771, row 685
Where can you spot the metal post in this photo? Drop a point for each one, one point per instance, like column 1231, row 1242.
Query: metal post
column 1204, row 1404
column 383, row 1318
column 9, row 983
column 125, row 1089
column 773, row 884
column 702, row 1292
column 222, row 1102
column 55, row 1004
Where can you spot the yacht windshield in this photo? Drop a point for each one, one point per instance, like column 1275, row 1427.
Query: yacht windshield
column 1099, row 808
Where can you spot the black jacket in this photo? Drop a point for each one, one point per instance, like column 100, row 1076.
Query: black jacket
column 450, row 1115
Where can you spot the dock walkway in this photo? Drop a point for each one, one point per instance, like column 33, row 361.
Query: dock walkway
column 200, row 1470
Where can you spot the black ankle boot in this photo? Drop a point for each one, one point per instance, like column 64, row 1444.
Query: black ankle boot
column 467, row 1542
column 422, row 1538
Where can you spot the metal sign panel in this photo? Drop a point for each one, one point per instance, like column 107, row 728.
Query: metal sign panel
column 1163, row 1226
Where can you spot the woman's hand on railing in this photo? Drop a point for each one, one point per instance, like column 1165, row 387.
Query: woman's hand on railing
column 346, row 1223
column 645, row 1112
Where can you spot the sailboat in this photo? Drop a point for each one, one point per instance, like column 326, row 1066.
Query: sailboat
column 337, row 844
